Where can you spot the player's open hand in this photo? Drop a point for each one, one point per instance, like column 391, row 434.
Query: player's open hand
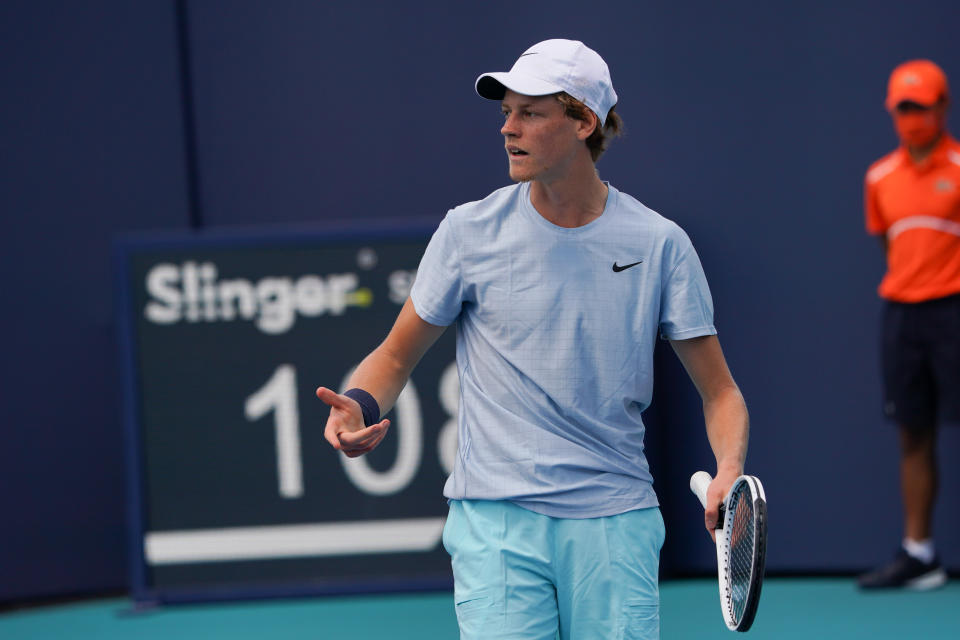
column 345, row 430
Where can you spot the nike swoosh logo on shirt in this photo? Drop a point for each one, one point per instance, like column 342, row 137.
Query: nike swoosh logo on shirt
column 618, row 269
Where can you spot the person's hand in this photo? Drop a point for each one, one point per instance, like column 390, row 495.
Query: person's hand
column 345, row 430
column 716, row 493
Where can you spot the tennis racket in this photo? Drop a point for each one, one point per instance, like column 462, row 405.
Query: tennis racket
column 741, row 546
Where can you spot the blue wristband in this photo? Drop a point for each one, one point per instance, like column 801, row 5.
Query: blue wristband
column 368, row 405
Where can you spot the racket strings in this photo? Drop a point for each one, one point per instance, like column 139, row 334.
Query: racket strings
column 742, row 553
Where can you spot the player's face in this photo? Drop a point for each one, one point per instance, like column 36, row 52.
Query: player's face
column 541, row 141
column 917, row 125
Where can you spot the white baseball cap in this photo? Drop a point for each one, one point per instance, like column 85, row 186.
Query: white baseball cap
column 553, row 66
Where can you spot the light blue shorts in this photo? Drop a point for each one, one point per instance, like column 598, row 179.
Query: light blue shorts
column 526, row 576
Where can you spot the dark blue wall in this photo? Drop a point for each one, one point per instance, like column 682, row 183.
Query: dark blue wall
column 749, row 123
column 91, row 145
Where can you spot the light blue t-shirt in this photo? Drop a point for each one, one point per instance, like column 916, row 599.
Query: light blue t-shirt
column 555, row 335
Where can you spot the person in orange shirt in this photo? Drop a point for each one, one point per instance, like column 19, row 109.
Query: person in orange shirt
column 912, row 200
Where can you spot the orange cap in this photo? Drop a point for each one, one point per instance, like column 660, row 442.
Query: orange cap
column 919, row 81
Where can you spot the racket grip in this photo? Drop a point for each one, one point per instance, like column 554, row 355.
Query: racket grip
column 698, row 484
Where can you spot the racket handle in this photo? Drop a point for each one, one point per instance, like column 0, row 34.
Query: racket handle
column 698, row 484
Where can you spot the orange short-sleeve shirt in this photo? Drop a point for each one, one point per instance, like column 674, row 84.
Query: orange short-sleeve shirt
column 918, row 208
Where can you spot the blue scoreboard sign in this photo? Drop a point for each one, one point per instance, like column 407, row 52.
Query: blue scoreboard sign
column 233, row 490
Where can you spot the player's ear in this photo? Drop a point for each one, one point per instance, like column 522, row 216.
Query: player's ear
column 587, row 125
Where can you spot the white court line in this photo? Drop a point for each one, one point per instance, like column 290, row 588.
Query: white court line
column 290, row 541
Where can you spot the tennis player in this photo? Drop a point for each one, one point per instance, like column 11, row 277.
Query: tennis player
column 559, row 285
column 913, row 205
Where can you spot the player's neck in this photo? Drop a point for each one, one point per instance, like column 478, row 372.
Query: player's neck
column 576, row 200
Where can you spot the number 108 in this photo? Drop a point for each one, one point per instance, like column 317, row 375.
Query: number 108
column 279, row 396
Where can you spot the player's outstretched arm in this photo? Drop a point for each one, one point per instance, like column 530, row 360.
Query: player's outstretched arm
column 382, row 374
column 724, row 411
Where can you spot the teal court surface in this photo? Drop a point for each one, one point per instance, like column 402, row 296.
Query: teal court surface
column 790, row 608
